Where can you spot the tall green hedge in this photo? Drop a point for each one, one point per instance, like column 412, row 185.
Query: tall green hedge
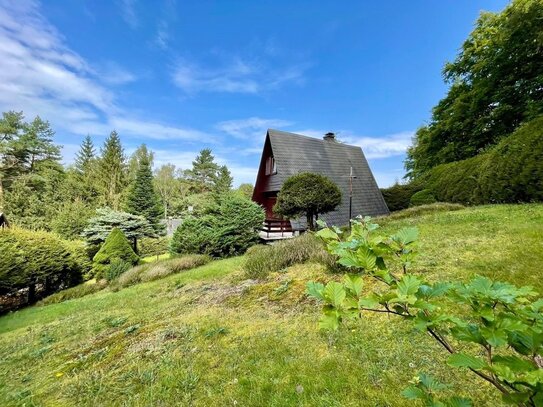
column 398, row 196
column 34, row 264
column 510, row 172
column 227, row 228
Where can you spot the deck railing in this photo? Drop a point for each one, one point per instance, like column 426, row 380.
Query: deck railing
column 277, row 226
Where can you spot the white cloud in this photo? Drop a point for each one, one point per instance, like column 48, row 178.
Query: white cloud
column 40, row 75
column 128, row 12
column 237, row 76
column 251, row 128
column 162, row 36
column 113, row 74
column 374, row 147
column 383, row 147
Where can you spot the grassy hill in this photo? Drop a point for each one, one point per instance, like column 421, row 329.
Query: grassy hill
column 208, row 337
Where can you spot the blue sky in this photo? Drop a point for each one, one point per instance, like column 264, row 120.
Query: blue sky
column 184, row 75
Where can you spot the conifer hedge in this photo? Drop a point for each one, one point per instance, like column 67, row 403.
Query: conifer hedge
column 34, row 264
column 510, row 172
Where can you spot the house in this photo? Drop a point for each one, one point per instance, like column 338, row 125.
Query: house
column 286, row 154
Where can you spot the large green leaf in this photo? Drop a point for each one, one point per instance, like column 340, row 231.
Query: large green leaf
column 408, row 285
column 366, row 258
column 463, row 360
column 413, row 393
column 334, row 293
column 458, row 402
column 494, row 336
column 329, row 320
column 315, row 289
column 327, row 234
column 354, row 283
column 406, row 235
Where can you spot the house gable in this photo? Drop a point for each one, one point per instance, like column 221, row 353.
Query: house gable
column 295, row 153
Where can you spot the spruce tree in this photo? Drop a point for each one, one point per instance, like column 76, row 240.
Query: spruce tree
column 112, row 171
column 204, row 171
column 85, row 156
column 142, row 199
column 223, row 181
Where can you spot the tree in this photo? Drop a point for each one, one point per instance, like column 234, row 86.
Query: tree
column 223, row 181
column 169, row 187
column 83, row 177
column 134, row 162
column 85, row 156
column 307, row 194
column 106, row 219
column 141, row 198
column 496, row 84
column 246, row 190
column 112, row 177
column 204, row 171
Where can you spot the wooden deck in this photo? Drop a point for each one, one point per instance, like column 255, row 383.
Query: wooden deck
column 276, row 229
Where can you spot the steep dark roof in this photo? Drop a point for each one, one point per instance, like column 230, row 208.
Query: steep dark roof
column 295, row 153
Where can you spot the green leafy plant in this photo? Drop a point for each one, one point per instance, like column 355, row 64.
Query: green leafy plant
column 503, row 322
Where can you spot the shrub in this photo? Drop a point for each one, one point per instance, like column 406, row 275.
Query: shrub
column 80, row 255
column 508, row 173
column 37, row 262
column 307, row 194
column 398, row 196
column 227, row 228
column 500, row 324
column 74, row 292
column 264, row 259
column 153, row 246
column 154, row 271
column 424, row 197
column 116, row 268
column 116, row 246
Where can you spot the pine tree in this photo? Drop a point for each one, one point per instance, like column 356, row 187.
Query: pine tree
column 142, row 199
column 223, row 181
column 203, row 172
column 112, row 171
column 85, row 156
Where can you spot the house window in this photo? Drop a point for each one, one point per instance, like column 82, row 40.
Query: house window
column 271, row 167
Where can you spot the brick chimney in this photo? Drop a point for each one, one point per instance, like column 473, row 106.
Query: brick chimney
column 329, row 136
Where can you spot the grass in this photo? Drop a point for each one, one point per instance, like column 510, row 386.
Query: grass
column 152, row 259
column 208, row 337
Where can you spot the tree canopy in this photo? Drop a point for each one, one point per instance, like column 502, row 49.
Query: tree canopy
column 307, row 194
column 496, row 84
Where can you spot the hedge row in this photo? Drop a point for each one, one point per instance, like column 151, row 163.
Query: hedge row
column 398, row 196
column 510, row 172
column 34, row 264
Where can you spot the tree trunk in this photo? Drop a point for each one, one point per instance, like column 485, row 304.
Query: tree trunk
column 32, row 293
column 310, row 224
column 135, row 245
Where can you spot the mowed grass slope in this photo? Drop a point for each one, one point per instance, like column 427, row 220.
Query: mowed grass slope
column 207, row 337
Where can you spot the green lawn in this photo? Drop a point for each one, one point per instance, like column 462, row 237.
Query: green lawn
column 207, row 337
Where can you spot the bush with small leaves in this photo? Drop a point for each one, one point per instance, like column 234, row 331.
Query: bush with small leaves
column 502, row 323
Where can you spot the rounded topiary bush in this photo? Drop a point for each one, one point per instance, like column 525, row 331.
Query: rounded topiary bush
column 423, row 197
column 116, row 246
